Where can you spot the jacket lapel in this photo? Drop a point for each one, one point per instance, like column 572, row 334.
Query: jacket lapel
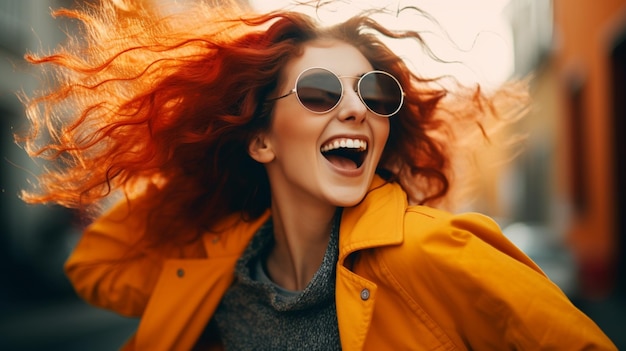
column 376, row 221
column 189, row 290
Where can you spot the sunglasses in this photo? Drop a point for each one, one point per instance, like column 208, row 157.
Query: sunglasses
column 320, row 91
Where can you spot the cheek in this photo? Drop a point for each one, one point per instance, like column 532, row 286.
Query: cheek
column 290, row 128
column 381, row 132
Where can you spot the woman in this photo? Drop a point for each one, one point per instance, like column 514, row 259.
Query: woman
column 275, row 175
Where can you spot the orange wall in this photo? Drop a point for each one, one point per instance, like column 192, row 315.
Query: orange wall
column 584, row 30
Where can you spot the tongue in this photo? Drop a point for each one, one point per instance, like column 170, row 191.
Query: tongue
column 341, row 162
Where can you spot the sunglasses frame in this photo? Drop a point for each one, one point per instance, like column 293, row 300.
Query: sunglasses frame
column 358, row 91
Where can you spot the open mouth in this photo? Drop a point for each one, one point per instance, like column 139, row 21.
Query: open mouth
column 345, row 153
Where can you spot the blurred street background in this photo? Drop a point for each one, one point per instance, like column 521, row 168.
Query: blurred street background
column 562, row 199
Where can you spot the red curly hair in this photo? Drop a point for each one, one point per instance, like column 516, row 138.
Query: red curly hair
column 172, row 99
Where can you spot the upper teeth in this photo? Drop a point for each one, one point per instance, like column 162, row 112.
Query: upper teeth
column 345, row 143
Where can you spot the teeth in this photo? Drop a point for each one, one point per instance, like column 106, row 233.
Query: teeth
column 346, row 144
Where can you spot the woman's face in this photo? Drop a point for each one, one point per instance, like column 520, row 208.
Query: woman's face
column 326, row 159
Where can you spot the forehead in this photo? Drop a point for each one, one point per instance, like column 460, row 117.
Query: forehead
column 337, row 56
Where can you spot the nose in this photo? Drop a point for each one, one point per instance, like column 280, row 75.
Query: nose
column 351, row 108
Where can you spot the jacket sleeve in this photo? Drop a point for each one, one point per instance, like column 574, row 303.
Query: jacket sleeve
column 108, row 268
column 499, row 299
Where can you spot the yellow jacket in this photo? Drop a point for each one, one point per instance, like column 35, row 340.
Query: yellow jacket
column 408, row 278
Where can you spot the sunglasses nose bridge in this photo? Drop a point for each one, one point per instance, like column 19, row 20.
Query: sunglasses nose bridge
column 349, row 86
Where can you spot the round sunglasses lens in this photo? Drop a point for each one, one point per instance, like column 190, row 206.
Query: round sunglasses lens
column 381, row 93
column 318, row 90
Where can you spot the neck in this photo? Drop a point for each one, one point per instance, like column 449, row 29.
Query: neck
column 301, row 238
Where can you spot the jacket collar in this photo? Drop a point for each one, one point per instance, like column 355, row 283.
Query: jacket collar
column 231, row 236
column 376, row 221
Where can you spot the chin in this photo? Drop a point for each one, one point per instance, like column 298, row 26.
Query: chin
column 348, row 200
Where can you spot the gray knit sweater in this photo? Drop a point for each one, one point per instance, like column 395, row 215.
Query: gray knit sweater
column 256, row 314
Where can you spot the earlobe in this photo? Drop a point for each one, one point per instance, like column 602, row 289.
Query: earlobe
column 259, row 149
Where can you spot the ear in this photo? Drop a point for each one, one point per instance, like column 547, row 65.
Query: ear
column 260, row 149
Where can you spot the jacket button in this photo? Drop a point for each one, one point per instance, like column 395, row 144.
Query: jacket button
column 365, row 294
column 180, row 272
